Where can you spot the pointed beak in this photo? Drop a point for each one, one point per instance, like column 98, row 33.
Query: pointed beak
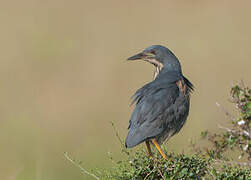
column 136, row 57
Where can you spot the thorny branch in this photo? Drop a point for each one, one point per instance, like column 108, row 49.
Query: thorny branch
column 226, row 112
column 77, row 164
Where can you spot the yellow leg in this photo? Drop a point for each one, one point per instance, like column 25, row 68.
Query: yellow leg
column 159, row 149
column 149, row 149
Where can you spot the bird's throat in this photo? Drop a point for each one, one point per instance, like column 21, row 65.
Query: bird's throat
column 159, row 66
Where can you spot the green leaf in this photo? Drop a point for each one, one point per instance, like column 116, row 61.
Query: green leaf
column 249, row 105
column 184, row 171
column 204, row 134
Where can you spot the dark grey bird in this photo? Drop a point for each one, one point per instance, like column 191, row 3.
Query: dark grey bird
column 162, row 106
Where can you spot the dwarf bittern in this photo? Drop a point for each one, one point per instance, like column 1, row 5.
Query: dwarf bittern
column 162, row 106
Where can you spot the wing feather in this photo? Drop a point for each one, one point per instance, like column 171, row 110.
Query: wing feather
column 148, row 119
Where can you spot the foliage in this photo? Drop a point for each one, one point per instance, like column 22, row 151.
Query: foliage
column 139, row 166
column 206, row 163
column 237, row 137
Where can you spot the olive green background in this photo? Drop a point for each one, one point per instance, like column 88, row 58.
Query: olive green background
column 64, row 75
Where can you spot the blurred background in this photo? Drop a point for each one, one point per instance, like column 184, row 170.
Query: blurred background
column 64, row 75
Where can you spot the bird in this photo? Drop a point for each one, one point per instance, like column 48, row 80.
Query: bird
column 162, row 105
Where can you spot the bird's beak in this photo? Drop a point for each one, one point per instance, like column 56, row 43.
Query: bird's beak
column 135, row 57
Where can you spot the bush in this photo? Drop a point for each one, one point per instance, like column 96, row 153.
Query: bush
column 206, row 163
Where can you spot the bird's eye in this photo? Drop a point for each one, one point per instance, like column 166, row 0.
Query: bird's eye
column 153, row 52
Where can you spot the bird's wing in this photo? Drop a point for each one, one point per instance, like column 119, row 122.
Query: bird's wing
column 160, row 82
column 154, row 108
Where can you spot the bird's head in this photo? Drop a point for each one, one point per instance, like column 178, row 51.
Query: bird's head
column 160, row 56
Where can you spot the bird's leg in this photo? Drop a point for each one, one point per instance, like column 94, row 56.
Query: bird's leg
column 159, row 149
column 149, row 149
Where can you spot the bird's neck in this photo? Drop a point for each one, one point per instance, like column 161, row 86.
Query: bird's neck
column 162, row 69
column 158, row 67
column 170, row 65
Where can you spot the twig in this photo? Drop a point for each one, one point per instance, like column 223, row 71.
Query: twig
column 161, row 174
column 149, row 174
column 156, row 166
column 120, row 140
column 83, row 171
column 225, row 128
column 226, row 112
column 210, row 173
column 116, row 133
column 234, row 162
column 239, row 133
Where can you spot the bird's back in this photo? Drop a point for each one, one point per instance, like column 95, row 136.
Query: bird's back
column 161, row 109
